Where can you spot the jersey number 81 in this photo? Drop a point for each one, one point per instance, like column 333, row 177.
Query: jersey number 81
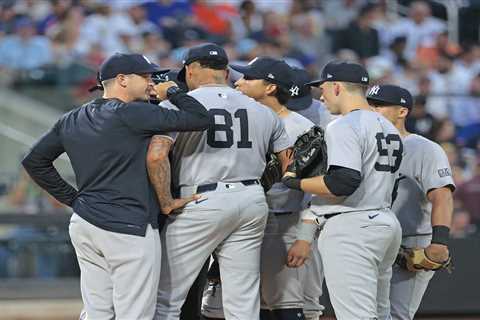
column 226, row 126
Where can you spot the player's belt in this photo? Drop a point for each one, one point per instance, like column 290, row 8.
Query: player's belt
column 331, row 215
column 213, row 186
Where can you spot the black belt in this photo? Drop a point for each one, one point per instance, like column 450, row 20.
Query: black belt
column 213, row 186
column 282, row 213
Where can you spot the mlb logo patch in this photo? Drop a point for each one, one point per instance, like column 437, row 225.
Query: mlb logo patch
column 213, row 53
column 271, row 76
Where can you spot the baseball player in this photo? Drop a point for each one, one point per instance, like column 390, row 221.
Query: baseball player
column 115, row 208
column 361, row 235
column 301, row 101
column 223, row 165
column 286, row 244
column 423, row 201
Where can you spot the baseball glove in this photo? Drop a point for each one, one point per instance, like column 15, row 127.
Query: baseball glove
column 309, row 154
column 272, row 173
column 415, row 259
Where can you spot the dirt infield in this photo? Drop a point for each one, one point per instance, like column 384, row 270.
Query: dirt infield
column 69, row 309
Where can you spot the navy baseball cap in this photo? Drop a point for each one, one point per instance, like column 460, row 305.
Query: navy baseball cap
column 171, row 75
column 122, row 63
column 272, row 70
column 390, row 95
column 342, row 71
column 206, row 51
column 300, row 93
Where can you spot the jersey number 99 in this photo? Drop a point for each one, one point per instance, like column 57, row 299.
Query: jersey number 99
column 226, row 127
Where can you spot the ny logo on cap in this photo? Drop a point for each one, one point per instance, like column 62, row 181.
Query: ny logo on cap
column 213, row 53
column 294, row 91
column 271, row 76
column 253, row 60
column 146, row 59
column 402, row 100
column 374, row 90
column 329, row 76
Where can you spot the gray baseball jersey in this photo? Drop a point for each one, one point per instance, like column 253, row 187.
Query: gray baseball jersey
column 279, row 197
column 317, row 113
column 235, row 145
column 424, row 167
column 365, row 141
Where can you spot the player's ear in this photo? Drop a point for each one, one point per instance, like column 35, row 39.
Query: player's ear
column 336, row 88
column 122, row 80
column 403, row 112
column 270, row 89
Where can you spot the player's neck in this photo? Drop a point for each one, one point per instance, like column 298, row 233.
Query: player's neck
column 401, row 128
column 354, row 102
column 116, row 94
column 276, row 107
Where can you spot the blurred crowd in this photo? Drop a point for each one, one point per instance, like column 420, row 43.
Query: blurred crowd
column 62, row 42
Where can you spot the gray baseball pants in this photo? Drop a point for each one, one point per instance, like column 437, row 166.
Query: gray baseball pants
column 407, row 288
column 231, row 222
column 358, row 250
column 119, row 273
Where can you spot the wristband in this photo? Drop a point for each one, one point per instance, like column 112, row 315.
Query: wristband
column 440, row 235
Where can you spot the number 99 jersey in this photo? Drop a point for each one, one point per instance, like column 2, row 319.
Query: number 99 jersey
column 367, row 142
column 241, row 133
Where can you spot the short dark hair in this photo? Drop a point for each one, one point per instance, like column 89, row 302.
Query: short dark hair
column 212, row 64
column 282, row 94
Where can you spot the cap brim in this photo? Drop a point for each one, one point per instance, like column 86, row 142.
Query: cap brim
column 300, row 103
column 315, row 83
column 245, row 70
column 384, row 102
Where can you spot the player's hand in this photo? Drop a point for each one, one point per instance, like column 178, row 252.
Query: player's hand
column 161, row 89
column 437, row 252
column 298, row 253
column 175, row 204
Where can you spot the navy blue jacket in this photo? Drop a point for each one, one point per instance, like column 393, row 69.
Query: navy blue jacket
column 107, row 141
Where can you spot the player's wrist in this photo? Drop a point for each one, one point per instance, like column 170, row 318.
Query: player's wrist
column 440, row 235
column 306, row 232
column 292, row 182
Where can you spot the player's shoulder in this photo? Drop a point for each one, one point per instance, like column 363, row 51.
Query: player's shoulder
column 422, row 145
column 301, row 120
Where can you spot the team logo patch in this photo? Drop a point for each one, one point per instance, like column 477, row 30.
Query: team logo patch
column 445, row 172
column 294, row 91
column 374, row 90
column 253, row 60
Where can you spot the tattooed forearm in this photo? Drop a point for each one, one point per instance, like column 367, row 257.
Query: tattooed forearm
column 158, row 167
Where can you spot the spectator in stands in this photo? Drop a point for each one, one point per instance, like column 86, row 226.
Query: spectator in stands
column 360, row 36
column 429, row 55
column 248, row 22
column 8, row 17
column 59, row 11
column 420, row 28
column 447, row 83
column 468, row 194
column 24, row 50
column 420, row 121
column 465, row 114
column 339, row 14
column 461, row 226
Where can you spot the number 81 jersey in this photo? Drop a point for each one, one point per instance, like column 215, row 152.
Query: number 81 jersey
column 367, row 142
column 241, row 133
